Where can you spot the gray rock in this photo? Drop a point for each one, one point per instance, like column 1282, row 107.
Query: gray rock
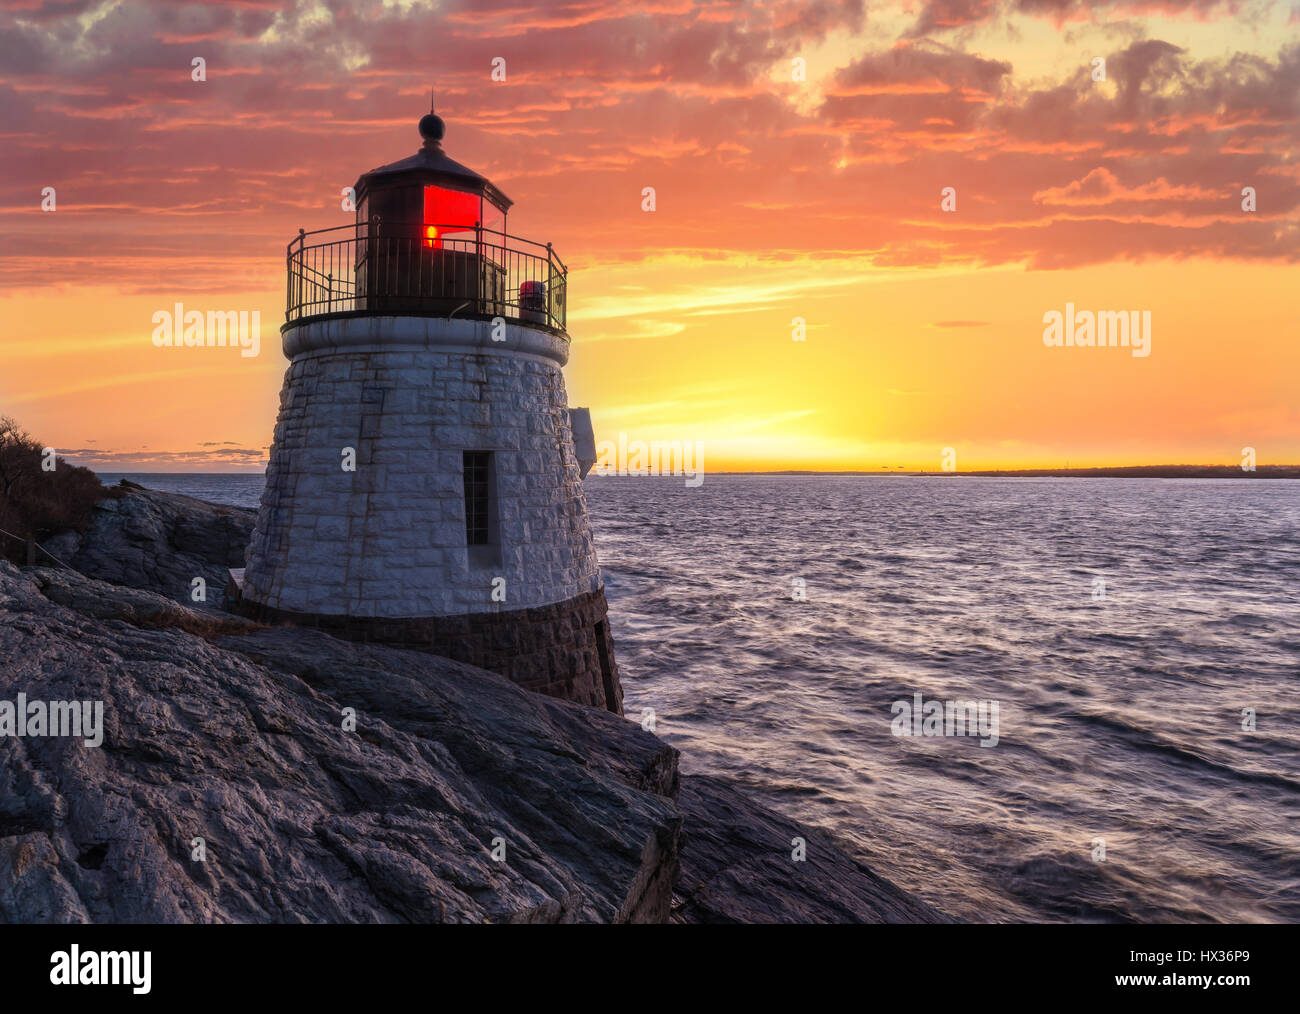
column 240, row 742
column 161, row 542
column 736, row 867
column 102, row 601
column 62, row 547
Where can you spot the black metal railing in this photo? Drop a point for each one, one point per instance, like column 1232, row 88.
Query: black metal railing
column 384, row 268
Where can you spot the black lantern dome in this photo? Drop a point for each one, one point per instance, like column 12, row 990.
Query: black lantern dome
column 430, row 239
column 429, row 186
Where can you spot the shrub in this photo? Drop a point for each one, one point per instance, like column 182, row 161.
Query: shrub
column 35, row 503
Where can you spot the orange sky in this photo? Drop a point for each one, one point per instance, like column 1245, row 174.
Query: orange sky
column 776, row 198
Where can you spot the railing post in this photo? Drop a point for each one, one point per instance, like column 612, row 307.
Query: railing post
column 550, row 282
column 302, row 258
column 482, row 265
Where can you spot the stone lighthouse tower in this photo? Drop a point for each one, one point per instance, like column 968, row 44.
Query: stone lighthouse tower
column 424, row 489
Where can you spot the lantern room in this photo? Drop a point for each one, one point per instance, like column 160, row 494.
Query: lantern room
column 431, row 235
column 429, row 239
column 430, row 195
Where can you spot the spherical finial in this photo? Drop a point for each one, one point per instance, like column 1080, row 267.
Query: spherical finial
column 432, row 128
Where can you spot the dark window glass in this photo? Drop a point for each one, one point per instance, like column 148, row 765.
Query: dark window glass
column 476, row 464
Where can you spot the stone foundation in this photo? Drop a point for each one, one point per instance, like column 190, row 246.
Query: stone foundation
column 563, row 650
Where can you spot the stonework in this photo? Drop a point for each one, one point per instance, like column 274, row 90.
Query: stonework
column 357, row 550
column 563, row 650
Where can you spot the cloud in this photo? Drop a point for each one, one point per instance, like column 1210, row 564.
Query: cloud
column 945, row 15
column 101, row 460
column 171, row 186
column 1101, row 187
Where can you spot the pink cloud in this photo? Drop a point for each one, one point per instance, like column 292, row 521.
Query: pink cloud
column 1101, row 187
column 605, row 97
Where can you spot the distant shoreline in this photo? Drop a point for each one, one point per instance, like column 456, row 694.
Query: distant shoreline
column 1155, row 472
column 1119, row 472
column 1108, row 472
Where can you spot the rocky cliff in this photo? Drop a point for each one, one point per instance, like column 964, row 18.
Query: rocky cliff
column 238, row 738
column 159, row 542
column 454, row 796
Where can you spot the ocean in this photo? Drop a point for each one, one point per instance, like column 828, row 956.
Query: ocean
column 1140, row 639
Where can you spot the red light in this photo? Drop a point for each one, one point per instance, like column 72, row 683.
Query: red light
column 448, row 212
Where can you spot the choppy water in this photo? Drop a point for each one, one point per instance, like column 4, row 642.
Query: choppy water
column 1119, row 718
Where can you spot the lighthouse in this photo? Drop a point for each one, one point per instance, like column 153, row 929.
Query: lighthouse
column 424, row 487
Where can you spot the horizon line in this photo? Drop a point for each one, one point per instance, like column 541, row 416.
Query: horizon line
column 1233, row 470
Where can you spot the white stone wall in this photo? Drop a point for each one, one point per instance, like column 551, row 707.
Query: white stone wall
column 388, row 540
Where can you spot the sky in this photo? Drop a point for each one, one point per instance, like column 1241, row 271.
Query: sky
column 1098, row 155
